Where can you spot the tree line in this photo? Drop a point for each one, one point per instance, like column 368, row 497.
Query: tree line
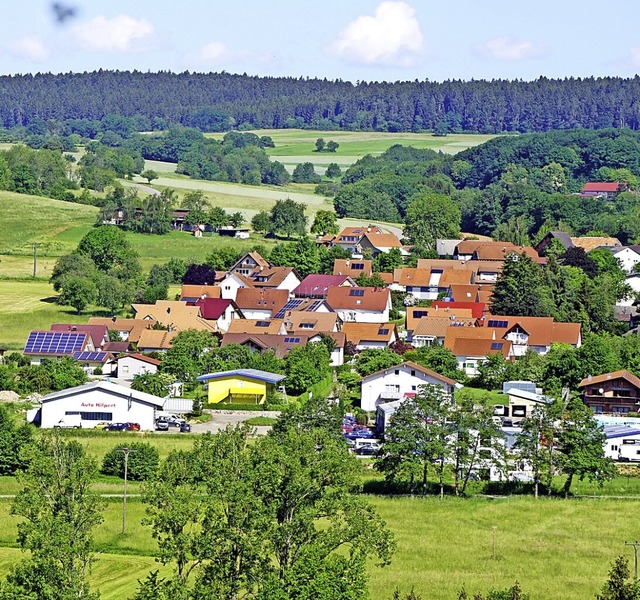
column 220, row 101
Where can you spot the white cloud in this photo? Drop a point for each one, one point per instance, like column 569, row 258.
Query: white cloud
column 509, row 48
column 635, row 56
column 212, row 53
column 391, row 36
column 121, row 33
column 30, row 47
column 216, row 54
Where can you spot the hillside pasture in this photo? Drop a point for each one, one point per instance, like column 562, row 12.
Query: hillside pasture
column 556, row 549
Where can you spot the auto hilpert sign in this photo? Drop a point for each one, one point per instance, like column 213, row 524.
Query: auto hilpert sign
column 97, row 405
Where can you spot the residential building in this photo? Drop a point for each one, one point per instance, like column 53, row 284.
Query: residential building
column 604, row 189
column 155, row 340
column 370, row 335
column 472, row 345
column 258, row 326
column 129, row 330
column 317, row 286
column 360, row 304
column 132, row 365
column 56, row 344
column 249, row 263
column 398, row 382
column 617, row 392
column 280, row 345
column 173, row 314
column 353, row 267
column 220, row 311
column 430, row 331
column 192, row 293
column 260, row 303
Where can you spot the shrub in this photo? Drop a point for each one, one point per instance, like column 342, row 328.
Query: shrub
column 142, row 463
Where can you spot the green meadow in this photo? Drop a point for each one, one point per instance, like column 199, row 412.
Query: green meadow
column 556, row 549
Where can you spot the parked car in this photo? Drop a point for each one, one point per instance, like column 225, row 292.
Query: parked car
column 102, row 425
column 133, row 426
column 185, row 428
column 117, row 427
column 366, row 451
column 162, row 425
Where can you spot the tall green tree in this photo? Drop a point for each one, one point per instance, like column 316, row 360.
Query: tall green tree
column 580, row 444
column 430, row 217
column 288, row 218
column 325, row 222
column 520, row 289
column 60, row 512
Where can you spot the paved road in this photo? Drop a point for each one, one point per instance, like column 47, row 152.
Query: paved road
column 220, row 419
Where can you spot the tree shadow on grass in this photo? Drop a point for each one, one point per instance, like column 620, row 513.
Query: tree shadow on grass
column 49, row 300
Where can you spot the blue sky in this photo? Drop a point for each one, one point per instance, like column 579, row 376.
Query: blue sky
column 370, row 40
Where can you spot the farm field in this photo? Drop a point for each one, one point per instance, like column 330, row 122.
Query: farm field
column 556, row 549
column 294, row 146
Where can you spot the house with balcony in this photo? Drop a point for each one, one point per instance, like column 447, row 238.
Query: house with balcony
column 616, row 393
column 399, row 382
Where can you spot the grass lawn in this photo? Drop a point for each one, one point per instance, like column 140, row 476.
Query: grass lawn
column 556, row 549
column 301, row 142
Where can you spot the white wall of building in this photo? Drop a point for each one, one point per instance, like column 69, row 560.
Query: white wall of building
column 363, row 316
column 392, row 384
column 129, row 367
column 95, row 406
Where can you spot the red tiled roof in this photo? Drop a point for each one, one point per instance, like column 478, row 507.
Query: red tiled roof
column 373, row 299
column 213, row 308
column 477, row 308
column 630, row 377
column 318, row 285
column 603, row 186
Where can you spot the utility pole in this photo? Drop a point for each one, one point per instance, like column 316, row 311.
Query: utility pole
column 126, row 452
column 35, row 257
column 635, row 554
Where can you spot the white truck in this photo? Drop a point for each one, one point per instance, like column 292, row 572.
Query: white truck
column 69, row 422
column 629, row 451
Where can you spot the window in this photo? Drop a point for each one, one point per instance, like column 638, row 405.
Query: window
column 306, row 325
column 262, row 324
column 496, row 345
column 620, row 409
column 383, row 332
column 418, row 314
column 413, row 388
column 358, row 266
column 356, row 292
column 519, row 411
column 614, row 448
column 413, row 373
column 396, row 372
column 91, row 416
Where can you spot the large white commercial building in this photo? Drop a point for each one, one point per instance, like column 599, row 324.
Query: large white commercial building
column 100, row 401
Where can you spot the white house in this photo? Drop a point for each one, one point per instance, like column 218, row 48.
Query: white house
column 130, row 365
column 232, row 283
column 398, row 382
column 628, row 256
column 100, row 401
column 360, row 304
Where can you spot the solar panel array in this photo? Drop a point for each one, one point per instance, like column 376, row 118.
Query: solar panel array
column 54, row 342
column 90, row 356
column 496, row 323
column 292, row 340
column 356, row 292
column 290, row 305
column 314, row 305
column 496, row 345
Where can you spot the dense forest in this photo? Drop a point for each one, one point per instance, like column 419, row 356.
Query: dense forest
column 514, row 188
column 219, row 101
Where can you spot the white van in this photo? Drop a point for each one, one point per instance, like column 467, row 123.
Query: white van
column 629, row 451
column 69, row 422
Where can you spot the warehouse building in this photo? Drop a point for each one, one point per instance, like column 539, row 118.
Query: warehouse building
column 99, row 402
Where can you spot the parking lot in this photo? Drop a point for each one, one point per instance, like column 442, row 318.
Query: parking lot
column 220, row 419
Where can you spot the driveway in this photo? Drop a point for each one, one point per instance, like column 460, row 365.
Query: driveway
column 221, row 418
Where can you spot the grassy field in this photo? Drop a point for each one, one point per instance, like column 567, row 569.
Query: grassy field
column 556, row 549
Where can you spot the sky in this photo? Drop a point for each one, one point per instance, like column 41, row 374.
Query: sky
column 355, row 40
